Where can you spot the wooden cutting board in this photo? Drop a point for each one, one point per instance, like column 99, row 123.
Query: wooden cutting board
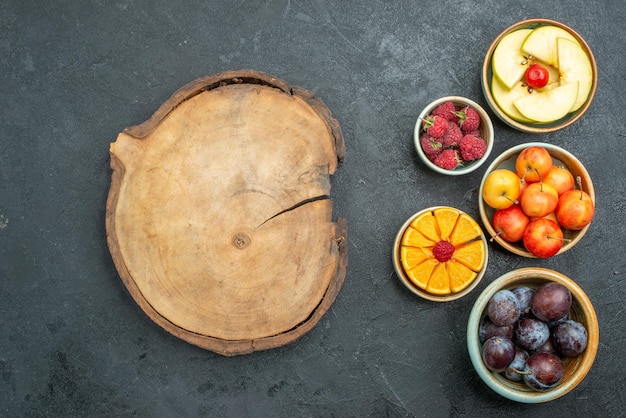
column 219, row 217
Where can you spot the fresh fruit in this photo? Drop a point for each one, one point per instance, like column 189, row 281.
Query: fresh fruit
column 524, row 296
column 575, row 209
column 469, row 119
column 508, row 60
column 442, row 251
column 446, row 110
column 531, row 333
column 510, row 223
column 505, row 98
column 472, row 148
column 452, row 137
column 512, row 372
column 543, row 238
column 436, row 126
column 488, row 329
column 533, row 163
column 498, row 353
column 574, row 66
column 448, row 159
column 551, row 302
column 549, row 105
column 560, row 178
column 503, row 309
column 570, row 338
column 537, row 76
column 540, row 75
column 431, row 146
column 539, row 199
column 541, row 43
column 543, row 371
column 546, row 342
column 441, row 145
column 501, row 188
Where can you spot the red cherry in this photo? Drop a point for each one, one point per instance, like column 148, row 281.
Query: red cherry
column 537, row 76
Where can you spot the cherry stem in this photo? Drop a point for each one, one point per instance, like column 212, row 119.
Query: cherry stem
column 579, row 182
column 515, row 201
column 518, row 371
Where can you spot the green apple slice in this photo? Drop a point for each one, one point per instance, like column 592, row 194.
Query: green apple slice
column 541, row 43
column 507, row 59
column 549, row 105
column 504, row 98
column 575, row 65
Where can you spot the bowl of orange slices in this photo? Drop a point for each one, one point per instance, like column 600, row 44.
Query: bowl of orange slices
column 440, row 253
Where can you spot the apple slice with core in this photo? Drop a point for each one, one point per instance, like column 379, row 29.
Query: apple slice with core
column 574, row 65
column 549, row 105
column 504, row 98
column 541, row 43
column 508, row 61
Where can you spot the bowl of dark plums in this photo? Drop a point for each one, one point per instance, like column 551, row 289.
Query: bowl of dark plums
column 532, row 335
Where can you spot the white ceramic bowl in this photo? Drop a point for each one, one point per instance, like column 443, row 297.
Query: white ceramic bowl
column 576, row 368
column 486, row 130
column 535, row 128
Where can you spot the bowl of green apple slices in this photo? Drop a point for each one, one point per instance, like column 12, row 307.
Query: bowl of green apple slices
column 539, row 76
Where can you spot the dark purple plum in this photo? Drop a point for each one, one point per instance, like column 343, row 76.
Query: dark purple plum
column 553, row 324
column 498, row 353
column 524, row 295
column 503, row 308
column 531, row 333
column 570, row 338
column 551, row 301
column 543, row 371
column 488, row 329
column 548, row 347
column 514, row 371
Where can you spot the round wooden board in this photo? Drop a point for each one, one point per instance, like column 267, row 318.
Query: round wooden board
column 219, row 217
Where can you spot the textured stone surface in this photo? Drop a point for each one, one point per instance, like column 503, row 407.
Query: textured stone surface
column 73, row 74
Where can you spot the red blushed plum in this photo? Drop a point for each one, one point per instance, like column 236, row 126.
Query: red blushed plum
column 510, row 223
column 574, row 210
column 543, row 237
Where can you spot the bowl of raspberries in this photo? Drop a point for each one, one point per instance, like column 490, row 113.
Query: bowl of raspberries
column 453, row 135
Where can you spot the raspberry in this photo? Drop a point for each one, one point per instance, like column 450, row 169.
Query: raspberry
column 446, row 110
column 453, row 135
column 472, row 148
column 448, row 159
column 469, row 119
column 475, row 133
column 430, row 145
column 443, row 251
column 436, row 126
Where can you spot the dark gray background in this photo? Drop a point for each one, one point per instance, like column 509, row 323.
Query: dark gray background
column 74, row 74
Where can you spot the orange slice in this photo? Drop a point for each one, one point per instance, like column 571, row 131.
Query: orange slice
column 471, row 255
column 446, row 219
column 465, row 230
column 460, row 276
column 414, row 238
column 439, row 283
column 427, row 225
column 420, row 274
column 412, row 256
column 448, row 275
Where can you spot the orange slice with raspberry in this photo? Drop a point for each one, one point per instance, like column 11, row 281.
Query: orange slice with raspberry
column 442, row 251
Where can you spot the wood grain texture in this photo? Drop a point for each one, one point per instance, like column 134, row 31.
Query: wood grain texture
column 219, row 218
